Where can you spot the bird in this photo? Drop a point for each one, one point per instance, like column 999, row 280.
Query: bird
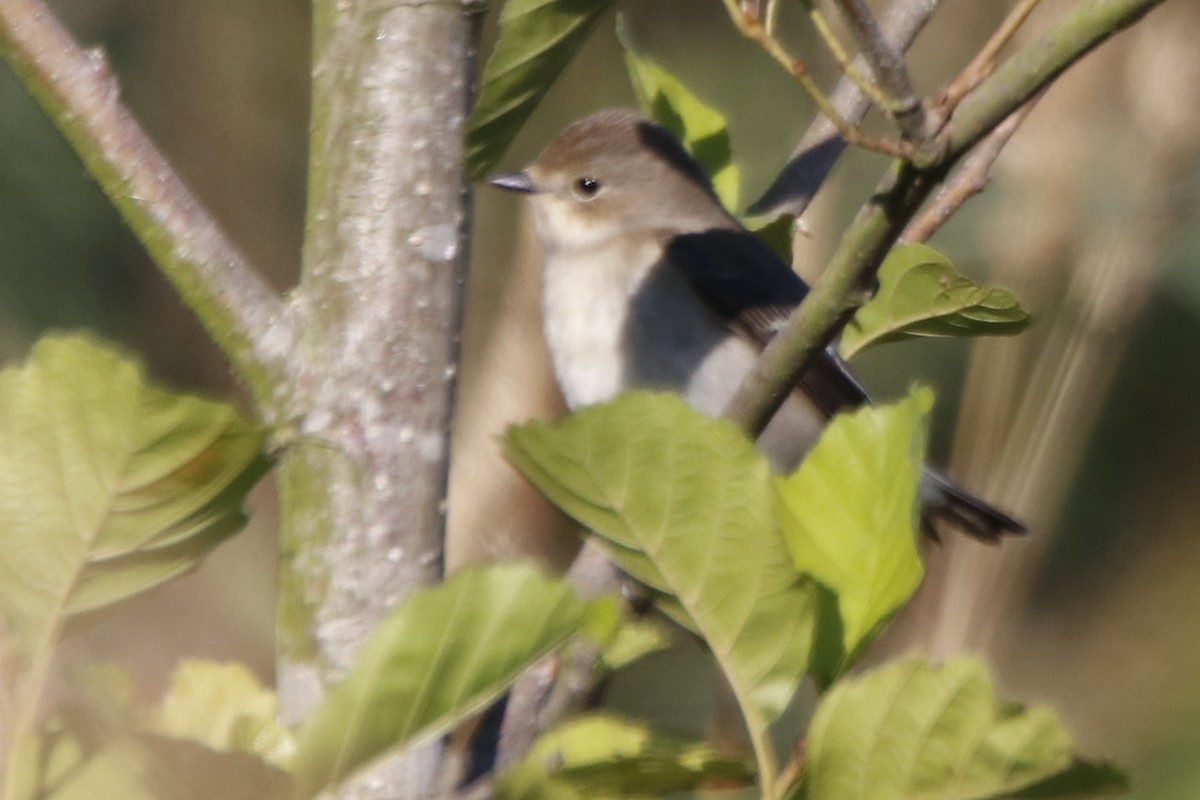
column 648, row 282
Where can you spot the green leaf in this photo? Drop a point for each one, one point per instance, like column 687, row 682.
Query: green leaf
column 699, row 126
column 537, row 40
column 913, row 731
column 850, row 512
column 108, row 485
column 921, row 294
column 63, row 763
column 224, row 707
column 604, row 755
column 441, row 655
column 684, row 502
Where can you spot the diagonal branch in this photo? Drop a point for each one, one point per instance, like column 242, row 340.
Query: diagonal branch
column 847, row 281
column 821, row 145
column 887, row 62
column 79, row 93
column 970, row 179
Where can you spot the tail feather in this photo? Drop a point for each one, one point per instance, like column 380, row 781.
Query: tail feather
column 948, row 503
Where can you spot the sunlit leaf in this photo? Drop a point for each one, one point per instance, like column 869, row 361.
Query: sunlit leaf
column 442, row 654
column 684, row 502
column 224, row 707
column 603, row 755
column 537, row 40
column 921, row 294
column 912, row 731
column 108, row 485
column 699, row 126
column 850, row 512
column 61, row 763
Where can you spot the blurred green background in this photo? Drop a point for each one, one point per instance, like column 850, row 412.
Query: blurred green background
column 1086, row 425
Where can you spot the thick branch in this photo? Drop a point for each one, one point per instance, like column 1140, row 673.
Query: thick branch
column 847, row 280
column 79, row 93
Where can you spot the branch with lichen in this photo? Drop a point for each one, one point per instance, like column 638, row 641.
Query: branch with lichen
column 79, row 93
column 850, row 274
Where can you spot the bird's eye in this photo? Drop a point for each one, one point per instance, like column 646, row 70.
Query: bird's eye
column 587, row 188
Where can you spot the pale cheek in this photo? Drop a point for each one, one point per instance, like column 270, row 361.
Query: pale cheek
column 563, row 226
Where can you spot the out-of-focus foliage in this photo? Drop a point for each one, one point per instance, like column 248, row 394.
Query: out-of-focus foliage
column 109, row 485
column 911, row 730
column 697, row 124
column 441, row 655
column 606, row 756
column 537, row 40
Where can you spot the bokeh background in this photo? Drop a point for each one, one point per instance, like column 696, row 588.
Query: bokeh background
column 1087, row 425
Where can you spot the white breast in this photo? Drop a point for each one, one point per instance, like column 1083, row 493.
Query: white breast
column 584, row 311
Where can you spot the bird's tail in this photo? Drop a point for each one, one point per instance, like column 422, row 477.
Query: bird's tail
column 947, row 503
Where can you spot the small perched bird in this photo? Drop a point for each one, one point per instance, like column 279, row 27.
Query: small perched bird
column 648, row 282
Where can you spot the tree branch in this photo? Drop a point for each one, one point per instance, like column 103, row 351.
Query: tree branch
column 848, row 279
column 80, row 95
column 887, row 64
column 970, row 179
column 821, row 145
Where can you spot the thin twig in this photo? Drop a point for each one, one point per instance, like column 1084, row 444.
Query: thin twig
column 891, row 74
column 821, row 145
column 842, row 58
column 984, row 62
column 969, row 180
column 755, row 30
column 79, row 93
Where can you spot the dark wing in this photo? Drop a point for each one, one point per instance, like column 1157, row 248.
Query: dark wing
column 745, row 283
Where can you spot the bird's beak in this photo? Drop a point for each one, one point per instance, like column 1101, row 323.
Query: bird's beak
column 514, row 182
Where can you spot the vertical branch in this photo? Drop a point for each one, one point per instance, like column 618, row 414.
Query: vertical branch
column 378, row 310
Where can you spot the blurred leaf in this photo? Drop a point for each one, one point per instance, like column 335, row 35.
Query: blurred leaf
column 913, row 731
column 603, row 755
column 441, row 655
column 850, row 512
column 684, row 503
column 1081, row 779
column 224, row 707
column 636, row 638
column 61, row 763
column 699, row 126
column 921, row 294
column 537, row 40
column 108, row 486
